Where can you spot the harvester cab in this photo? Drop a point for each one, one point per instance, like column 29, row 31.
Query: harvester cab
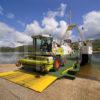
column 42, row 43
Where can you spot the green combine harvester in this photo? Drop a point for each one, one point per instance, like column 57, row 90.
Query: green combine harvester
column 45, row 59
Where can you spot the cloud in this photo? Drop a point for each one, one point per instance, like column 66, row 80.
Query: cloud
column 6, row 14
column 49, row 25
column 21, row 23
column 33, row 28
column 1, row 10
column 11, row 37
column 91, row 23
column 59, row 12
column 62, row 9
column 10, row 15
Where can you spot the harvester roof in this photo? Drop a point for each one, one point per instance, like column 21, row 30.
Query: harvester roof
column 41, row 36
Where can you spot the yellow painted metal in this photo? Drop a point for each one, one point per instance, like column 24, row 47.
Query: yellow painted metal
column 70, row 27
column 35, row 62
column 6, row 73
column 29, row 79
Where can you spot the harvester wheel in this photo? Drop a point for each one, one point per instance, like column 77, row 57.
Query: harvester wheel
column 57, row 64
column 18, row 64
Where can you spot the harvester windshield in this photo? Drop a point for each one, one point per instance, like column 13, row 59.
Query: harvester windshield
column 42, row 43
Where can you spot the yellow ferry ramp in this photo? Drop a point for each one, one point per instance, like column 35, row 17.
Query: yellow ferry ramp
column 29, row 80
column 6, row 73
column 41, row 83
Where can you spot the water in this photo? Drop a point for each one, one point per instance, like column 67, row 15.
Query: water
column 11, row 57
column 91, row 71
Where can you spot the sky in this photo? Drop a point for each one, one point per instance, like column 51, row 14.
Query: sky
column 20, row 19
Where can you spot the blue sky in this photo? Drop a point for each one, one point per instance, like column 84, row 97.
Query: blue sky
column 18, row 14
column 28, row 10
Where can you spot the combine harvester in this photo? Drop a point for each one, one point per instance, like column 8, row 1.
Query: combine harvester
column 49, row 61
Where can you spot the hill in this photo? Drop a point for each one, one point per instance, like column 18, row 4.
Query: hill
column 27, row 48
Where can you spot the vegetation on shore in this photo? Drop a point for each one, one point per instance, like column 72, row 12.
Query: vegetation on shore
column 23, row 48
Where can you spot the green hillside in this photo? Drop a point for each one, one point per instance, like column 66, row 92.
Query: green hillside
column 23, row 48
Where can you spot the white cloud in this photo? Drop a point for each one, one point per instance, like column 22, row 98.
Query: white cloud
column 1, row 10
column 50, row 25
column 59, row 12
column 33, row 28
column 62, row 9
column 7, row 15
column 21, row 23
column 10, row 15
column 91, row 24
column 11, row 37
